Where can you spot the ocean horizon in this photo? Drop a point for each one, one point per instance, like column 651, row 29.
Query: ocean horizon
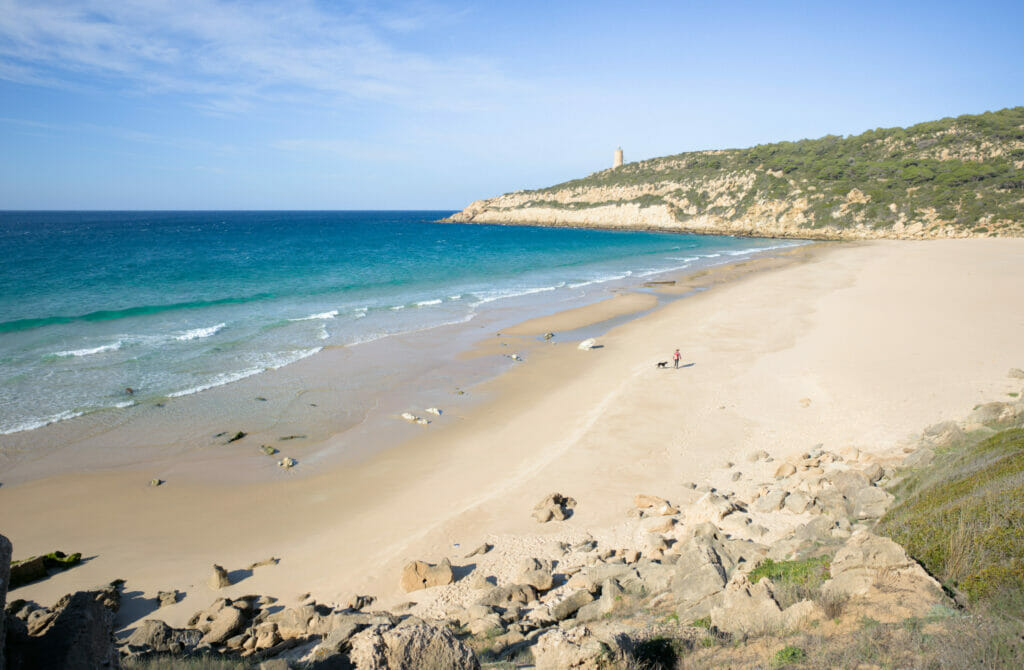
column 172, row 303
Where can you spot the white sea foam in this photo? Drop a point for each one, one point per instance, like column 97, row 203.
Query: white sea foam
column 315, row 317
column 32, row 424
column 122, row 405
column 455, row 297
column 273, row 363
column 599, row 280
column 323, row 335
column 425, row 303
column 398, row 307
column 501, row 294
column 89, row 352
column 199, row 333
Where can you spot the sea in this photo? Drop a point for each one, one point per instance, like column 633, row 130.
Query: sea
column 170, row 304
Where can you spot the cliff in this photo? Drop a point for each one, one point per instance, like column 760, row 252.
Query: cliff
column 956, row 177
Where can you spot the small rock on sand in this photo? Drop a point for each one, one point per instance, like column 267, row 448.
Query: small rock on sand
column 587, row 344
column 287, row 462
column 219, row 578
column 433, row 410
column 166, row 598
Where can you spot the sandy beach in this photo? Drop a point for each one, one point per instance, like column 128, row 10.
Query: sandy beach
column 841, row 345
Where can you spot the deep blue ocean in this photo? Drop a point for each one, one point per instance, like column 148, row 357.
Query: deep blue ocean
column 172, row 303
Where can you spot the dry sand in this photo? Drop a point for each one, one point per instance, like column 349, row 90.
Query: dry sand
column 842, row 345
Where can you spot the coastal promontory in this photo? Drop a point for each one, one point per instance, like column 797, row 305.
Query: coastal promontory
column 955, row 177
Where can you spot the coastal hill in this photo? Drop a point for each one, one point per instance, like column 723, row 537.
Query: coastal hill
column 955, row 177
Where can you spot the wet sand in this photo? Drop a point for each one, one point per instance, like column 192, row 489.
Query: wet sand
column 836, row 344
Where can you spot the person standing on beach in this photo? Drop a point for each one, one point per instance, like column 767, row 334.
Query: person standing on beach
column 675, row 359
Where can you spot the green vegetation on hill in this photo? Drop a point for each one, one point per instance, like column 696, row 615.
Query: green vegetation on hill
column 966, row 172
column 963, row 519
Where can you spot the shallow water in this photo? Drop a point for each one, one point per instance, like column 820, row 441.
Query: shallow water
column 174, row 303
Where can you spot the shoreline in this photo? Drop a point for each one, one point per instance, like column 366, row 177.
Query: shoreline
column 598, row 426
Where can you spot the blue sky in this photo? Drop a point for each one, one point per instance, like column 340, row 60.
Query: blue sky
column 208, row 104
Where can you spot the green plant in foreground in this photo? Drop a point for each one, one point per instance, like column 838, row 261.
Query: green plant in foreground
column 794, row 580
column 788, row 654
column 703, row 622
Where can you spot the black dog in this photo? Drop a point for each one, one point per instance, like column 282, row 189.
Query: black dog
column 663, row 364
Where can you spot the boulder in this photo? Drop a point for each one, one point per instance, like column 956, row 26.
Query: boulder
column 293, row 621
column 5, row 580
column 710, row 507
column 79, row 635
column 166, row 598
column 878, row 570
column 421, row 575
column 785, row 470
column 219, row 578
column 554, row 506
column 699, row 578
column 542, row 580
column 654, row 505
column 797, row 502
column 771, row 501
column 417, row 647
column 505, row 596
column 943, row 434
column 567, row 607
column 227, row 622
column 848, row 482
column 155, row 636
column 747, row 609
column 871, row 503
column 574, row 649
column 596, row 610
column 587, row 344
column 481, row 550
column 919, row 458
column 999, row 414
column 1015, row 373
column 336, row 643
column 759, row 455
column 873, row 472
column 657, row 524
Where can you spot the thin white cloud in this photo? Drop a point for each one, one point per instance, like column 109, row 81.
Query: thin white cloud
column 228, row 55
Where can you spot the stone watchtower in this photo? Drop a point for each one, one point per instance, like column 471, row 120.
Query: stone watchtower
column 617, row 162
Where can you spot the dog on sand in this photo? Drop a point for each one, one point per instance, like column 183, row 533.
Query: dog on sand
column 662, row 364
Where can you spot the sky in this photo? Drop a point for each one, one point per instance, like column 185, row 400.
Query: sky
column 304, row 104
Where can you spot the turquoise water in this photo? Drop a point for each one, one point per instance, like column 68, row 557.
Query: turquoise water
column 173, row 303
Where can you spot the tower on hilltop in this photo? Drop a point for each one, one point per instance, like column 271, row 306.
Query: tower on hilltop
column 617, row 161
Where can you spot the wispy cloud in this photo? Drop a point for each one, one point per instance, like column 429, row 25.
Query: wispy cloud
column 228, row 56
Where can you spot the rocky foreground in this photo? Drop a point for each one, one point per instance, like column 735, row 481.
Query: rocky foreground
column 708, row 569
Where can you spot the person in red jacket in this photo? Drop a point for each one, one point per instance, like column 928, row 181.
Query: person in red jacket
column 675, row 359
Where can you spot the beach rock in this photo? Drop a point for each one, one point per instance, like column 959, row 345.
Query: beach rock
column 548, row 336
column 831, row 503
column 785, row 470
column 871, row 503
column 505, row 596
column 998, row 414
column 433, row 410
column 878, row 570
column 1015, row 373
column 155, row 636
column 336, row 643
column 700, row 577
column 28, row 570
column 287, row 463
column 747, row 609
column 357, row 602
column 654, row 505
column 759, row 455
column 156, row 482
column 796, row 502
column 481, row 550
column 919, row 458
column 711, row 507
column 227, row 622
column 771, row 501
column 873, row 472
column 567, row 607
column 5, row 579
column 587, row 344
column 848, row 482
column 489, row 624
column 943, row 434
column 78, row 636
column 421, row 575
column 219, row 579
column 554, row 506
column 166, row 598
column 574, row 649
column 657, row 524
column 267, row 449
column 409, row 416
column 542, row 580
column 293, row 621
column 417, row 647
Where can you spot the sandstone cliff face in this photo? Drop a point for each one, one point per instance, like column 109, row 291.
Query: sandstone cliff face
column 599, row 208
column 960, row 177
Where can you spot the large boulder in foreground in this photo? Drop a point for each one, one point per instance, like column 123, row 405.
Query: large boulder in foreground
column 421, row 575
column 417, row 647
column 879, row 571
column 79, row 635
